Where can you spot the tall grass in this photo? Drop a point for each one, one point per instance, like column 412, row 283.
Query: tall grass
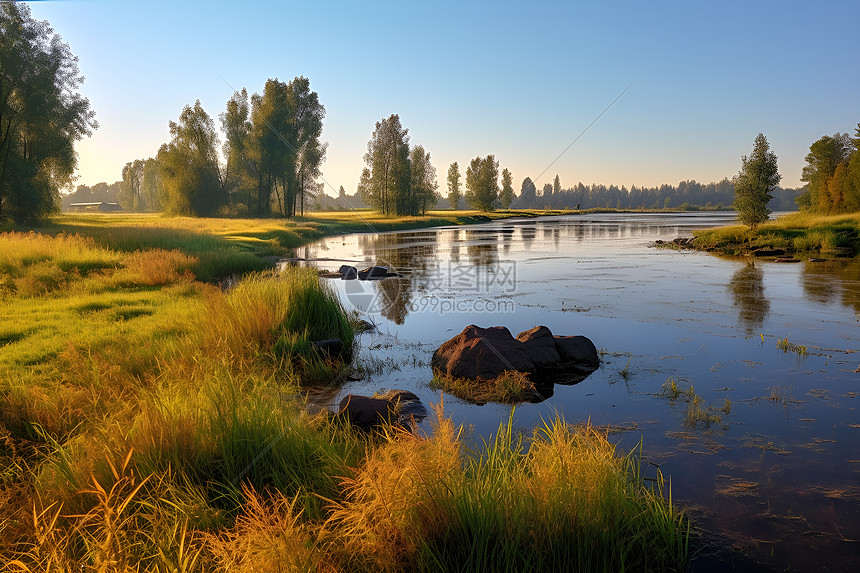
column 566, row 503
column 278, row 317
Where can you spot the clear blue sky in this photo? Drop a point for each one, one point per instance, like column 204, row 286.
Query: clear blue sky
column 518, row 80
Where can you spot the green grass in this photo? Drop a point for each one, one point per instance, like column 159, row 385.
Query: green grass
column 786, row 346
column 802, row 234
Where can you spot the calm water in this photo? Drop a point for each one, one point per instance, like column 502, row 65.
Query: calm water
column 777, row 476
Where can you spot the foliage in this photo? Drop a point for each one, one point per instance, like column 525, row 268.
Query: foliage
column 385, row 181
column 506, row 196
column 41, row 115
column 422, row 180
column 397, row 181
column 832, row 175
column 510, row 387
column 754, row 184
column 189, row 165
column 482, row 183
column 454, row 193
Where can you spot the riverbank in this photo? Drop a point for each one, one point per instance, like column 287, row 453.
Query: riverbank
column 151, row 421
column 797, row 235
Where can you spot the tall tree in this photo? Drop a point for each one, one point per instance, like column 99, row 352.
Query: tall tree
column 385, row 181
column 556, row 185
column 482, row 185
column 239, row 168
column 506, row 196
column 189, row 165
column 423, row 182
column 41, row 115
column 454, row 192
column 754, row 184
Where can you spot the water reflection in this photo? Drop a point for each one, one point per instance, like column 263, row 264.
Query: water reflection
column 818, row 283
column 747, row 288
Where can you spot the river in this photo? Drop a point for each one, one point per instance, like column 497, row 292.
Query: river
column 769, row 468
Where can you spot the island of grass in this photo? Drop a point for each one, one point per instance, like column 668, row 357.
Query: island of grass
column 799, row 235
column 153, row 421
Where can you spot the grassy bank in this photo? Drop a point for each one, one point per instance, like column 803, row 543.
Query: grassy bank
column 150, row 421
column 801, row 234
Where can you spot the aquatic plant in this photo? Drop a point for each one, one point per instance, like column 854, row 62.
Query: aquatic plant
column 786, row 346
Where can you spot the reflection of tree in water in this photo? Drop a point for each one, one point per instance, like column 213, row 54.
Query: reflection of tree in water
column 528, row 234
column 394, row 298
column 482, row 247
column 411, row 254
column 818, row 283
column 507, row 236
column 747, row 288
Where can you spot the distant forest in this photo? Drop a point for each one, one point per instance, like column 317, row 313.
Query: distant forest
column 686, row 195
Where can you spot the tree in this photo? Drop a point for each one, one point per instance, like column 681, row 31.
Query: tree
column 482, row 187
column 238, row 174
column 506, row 196
column 385, row 181
column 754, row 184
column 189, row 165
column 528, row 194
column 423, row 183
column 132, row 180
column 821, row 162
column 556, row 186
column 42, row 115
column 454, row 193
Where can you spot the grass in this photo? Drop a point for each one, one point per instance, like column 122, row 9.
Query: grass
column 150, row 420
column 786, row 346
column 803, row 234
column 510, row 387
column 695, row 415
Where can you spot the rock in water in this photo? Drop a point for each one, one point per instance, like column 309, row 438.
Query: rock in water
column 482, row 353
column 577, row 349
column 365, row 412
column 540, row 345
column 348, row 273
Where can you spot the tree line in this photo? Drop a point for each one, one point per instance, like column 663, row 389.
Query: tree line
column 832, row 174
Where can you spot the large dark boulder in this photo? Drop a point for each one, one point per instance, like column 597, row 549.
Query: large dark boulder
column 482, row 353
column 577, row 349
column 540, row 346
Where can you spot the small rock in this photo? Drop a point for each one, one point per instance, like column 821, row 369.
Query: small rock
column 375, row 272
column 348, row 273
column 364, row 412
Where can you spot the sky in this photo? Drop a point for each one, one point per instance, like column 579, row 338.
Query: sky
column 521, row 81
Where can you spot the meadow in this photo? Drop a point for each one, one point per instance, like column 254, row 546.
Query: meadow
column 803, row 234
column 151, row 420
